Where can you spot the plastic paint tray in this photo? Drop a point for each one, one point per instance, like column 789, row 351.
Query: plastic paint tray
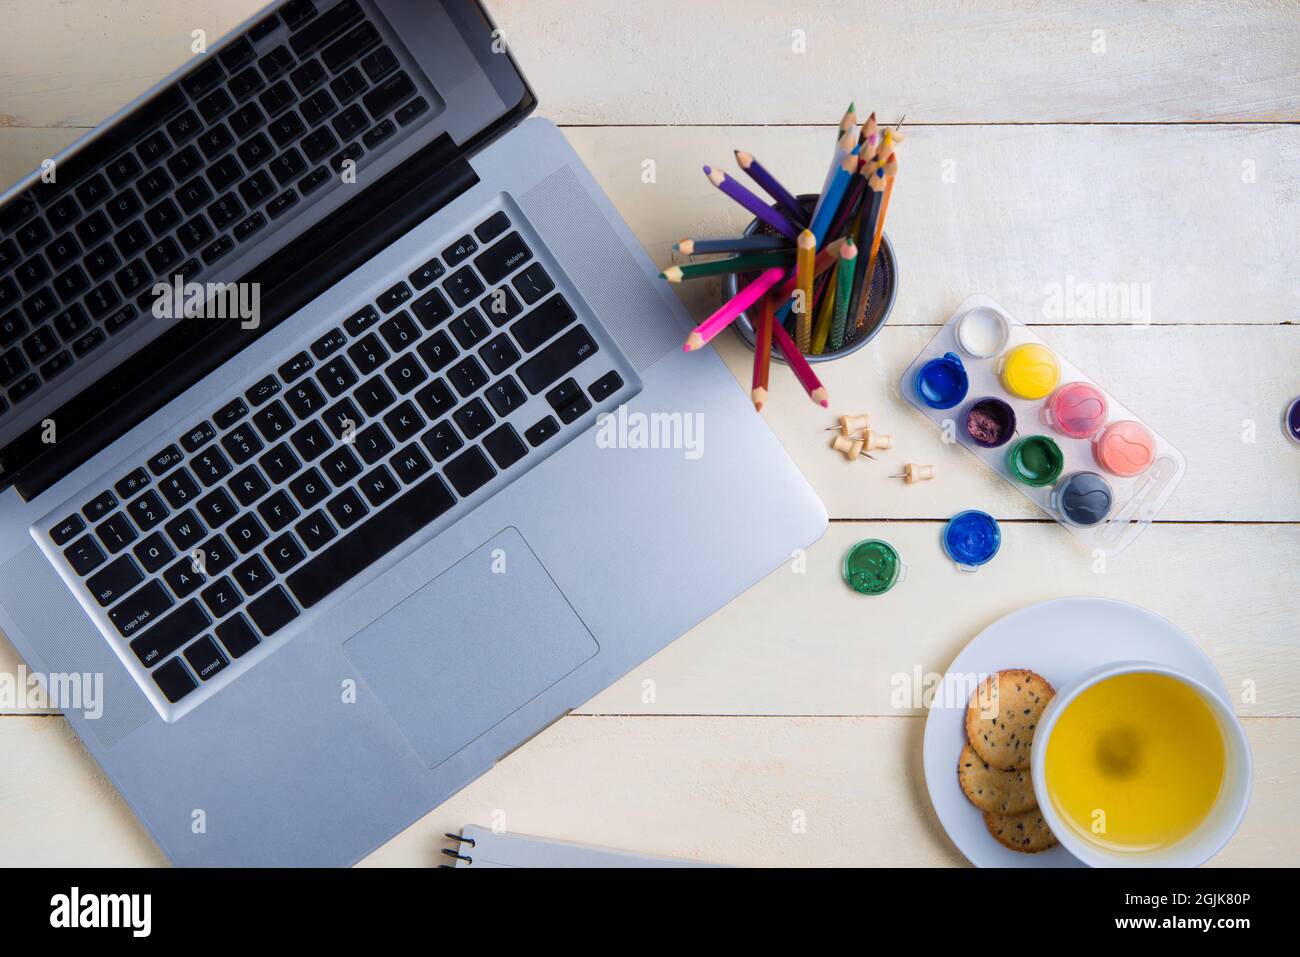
column 1135, row 500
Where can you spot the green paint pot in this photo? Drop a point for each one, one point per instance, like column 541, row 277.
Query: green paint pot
column 872, row 567
column 1036, row 460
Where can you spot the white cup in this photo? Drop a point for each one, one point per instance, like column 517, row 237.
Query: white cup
column 1212, row 833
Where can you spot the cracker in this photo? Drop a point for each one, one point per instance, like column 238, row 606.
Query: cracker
column 1002, row 715
column 994, row 790
column 1026, row 832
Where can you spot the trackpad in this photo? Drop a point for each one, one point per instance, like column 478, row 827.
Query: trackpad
column 471, row 647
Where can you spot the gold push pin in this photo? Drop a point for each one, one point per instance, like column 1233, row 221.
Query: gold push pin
column 851, row 448
column 877, row 440
column 913, row 473
column 852, row 423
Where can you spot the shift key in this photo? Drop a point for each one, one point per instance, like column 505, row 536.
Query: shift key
column 558, row 359
column 161, row 639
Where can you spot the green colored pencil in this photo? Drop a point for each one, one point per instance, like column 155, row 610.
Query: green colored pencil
column 721, row 267
column 843, row 292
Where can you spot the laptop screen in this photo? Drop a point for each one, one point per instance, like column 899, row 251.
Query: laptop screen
column 161, row 242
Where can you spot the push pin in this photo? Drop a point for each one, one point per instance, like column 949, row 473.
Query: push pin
column 913, row 473
column 852, row 423
column 851, row 448
column 877, row 440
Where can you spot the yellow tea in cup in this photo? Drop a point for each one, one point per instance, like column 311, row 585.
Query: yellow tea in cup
column 1135, row 763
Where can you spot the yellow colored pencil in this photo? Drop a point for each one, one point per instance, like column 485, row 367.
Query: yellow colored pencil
column 806, row 260
column 822, row 327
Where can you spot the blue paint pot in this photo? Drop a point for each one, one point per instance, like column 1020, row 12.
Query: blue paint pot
column 971, row 539
column 941, row 383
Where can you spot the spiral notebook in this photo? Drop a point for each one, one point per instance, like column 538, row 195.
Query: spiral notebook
column 480, row 847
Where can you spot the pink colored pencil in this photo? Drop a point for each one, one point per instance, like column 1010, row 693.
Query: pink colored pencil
column 733, row 307
column 800, row 367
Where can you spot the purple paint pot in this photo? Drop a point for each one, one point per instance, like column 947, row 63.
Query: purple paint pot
column 990, row 422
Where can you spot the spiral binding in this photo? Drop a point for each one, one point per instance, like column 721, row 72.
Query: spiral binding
column 459, row 838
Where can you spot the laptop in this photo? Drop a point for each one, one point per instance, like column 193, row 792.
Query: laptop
column 346, row 438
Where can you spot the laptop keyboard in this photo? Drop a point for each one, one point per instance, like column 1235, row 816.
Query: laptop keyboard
column 237, row 144
column 336, row 456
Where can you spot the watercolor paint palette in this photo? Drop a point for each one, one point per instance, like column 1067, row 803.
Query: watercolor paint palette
column 1068, row 445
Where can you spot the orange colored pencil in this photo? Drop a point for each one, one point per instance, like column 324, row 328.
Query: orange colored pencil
column 762, row 352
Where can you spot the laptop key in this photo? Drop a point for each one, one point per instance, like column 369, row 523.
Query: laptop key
column 153, row 552
column 436, row 399
column 198, row 436
column 473, row 418
column 469, row 471
column 336, row 376
column 61, row 533
column 316, row 530
column 164, row 460
column 499, row 354
column 173, row 680
column 216, row 508
column 230, row 413
column 309, row 488
column 426, row 274
column 410, row 463
column 379, row 64
column 148, row 510
column 492, row 227
column 505, row 396
column 442, row 440
column 463, row 287
column 185, row 530
column 99, row 506
column 533, row 283
column 331, row 342
column 115, row 532
column 179, row 487
column 241, row 444
column 380, row 132
column 252, row 574
column 84, row 555
column 247, row 533
column 378, row 485
column 325, row 28
column 114, row 580
column 347, row 508
column 205, row 658
column 262, row 390
column 541, row 430
column 237, row 636
column 295, row 367
column 505, row 447
column 407, row 114
column 272, row 611
column 308, row 76
column 311, row 441
column 387, row 95
column 503, row 258
column 557, row 359
column 297, row 12
column 605, row 386
column 184, row 577
column 221, row 597
column 431, row 308
column 277, row 510
column 170, row 632
column 351, row 46
column 352, row 553
column 142, row 607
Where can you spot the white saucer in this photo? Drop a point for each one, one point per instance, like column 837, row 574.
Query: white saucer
column 1059, row 639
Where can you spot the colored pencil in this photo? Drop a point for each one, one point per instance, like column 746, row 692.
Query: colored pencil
column 866, row 229
column 822, row 327
column 789, row 204
column 807, row 269
column 843, row 292
column 852, row 201
column 800, row 367
column 849, row 120
column 721, row 267
column 741, row 244
column 829, row 203
column 733, row 307
column 843, row 146
column 785, row 293
column 889, row 171
column 869, row 135
column 762, row 352
column 774, row 218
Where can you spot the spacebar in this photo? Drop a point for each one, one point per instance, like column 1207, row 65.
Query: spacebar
column 370, row 541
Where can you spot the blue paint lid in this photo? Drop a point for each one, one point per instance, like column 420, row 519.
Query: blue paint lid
column 971, row 538
column 941, row 383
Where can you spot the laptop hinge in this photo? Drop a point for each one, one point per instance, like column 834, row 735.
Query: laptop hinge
column 298, row 273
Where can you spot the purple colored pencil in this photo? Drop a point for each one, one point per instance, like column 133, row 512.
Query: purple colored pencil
column 774, row 218
column 772, row 186
column 851, row 202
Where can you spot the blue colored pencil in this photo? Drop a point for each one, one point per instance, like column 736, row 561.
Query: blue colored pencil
column 770, row 185
column 740, row 244
column 774, row 218
column 829, row 203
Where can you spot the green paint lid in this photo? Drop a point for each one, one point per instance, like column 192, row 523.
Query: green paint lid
column 872, row 567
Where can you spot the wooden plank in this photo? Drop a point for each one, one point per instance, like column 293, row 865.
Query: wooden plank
column 800, row 642
column 1053, row 222
column 593, row 62
column 1216, row 392
column 726, row 790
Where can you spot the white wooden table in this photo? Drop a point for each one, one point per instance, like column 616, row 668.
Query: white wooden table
column 1050, row 144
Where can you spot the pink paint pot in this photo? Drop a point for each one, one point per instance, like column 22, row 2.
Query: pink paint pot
column 1125, row 448
column 1076, row 409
